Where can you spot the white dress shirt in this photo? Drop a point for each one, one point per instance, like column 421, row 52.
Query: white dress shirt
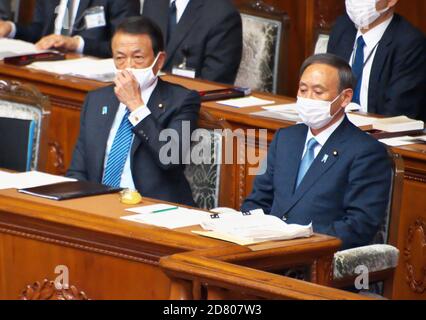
column 180, row 8
column 321, row 138
column 371, row 38
column 135, row 117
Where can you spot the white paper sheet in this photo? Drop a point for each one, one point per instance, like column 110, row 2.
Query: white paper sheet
column 29, row 180
column 361, row 121
column 277, row 115
column 253, row 228
column 12, row 47
column 245, row 102
column 403, row 141
column 90, row 68
column 167, row 216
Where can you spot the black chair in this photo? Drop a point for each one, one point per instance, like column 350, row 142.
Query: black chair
column 24, row 117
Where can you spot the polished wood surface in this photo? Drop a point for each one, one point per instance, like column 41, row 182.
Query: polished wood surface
column 195, row 276
column 111, row 258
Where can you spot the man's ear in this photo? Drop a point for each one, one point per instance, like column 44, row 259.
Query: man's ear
column 346, row 97
column 161, row 61
column 392, row 3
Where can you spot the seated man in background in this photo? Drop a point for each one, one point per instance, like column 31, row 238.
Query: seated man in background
column 73, row 25
column 120, row 135
column 387, row 55
column 325, row 171
column 202, row 35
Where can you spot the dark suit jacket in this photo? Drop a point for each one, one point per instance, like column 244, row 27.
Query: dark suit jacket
column 398, row 76
column 97, row 40
column 5, row 13
column 345, row 197
column 211, row 33
column 152, row 178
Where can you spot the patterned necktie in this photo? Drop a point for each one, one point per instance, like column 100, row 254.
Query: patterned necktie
column 307, row 160
column 67, row 22
column 172, row 20
column 358, row 67
column 118, row 154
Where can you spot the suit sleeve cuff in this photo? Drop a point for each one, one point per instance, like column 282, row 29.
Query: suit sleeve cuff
column 12, row 33
column 138, row 115
column 80, row 47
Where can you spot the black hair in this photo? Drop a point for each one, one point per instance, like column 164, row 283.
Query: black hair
column 346, row 77
column 142, row 25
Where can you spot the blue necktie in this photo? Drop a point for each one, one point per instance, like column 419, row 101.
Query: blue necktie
column 172, row 20
column 358, row 67
column 307, row 160
column 118, row 154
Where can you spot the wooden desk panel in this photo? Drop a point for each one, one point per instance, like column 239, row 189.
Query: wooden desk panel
column 111, row 258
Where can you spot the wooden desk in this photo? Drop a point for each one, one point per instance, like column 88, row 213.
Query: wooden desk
column 67, row 95
column 111, row 258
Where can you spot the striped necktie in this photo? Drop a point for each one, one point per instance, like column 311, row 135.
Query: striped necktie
column 307, row 160
column 118, row 154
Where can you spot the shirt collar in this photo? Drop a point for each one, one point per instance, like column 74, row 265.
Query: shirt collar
column 326, row 134
column 373, row 36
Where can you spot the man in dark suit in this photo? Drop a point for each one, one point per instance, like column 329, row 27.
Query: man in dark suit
column 83, row 26
column 202, row 35
column 5, row 10
column 325, row 171
column 127, row 129
column 388, row 56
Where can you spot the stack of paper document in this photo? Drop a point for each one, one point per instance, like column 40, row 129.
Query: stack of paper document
column 251, row 228
column 403, row 141
column 285, row 111
column 89, row 68
column 12, row 47
column 167, row 216
column 29, row 180
column 245, row 102
column 398, row 124
column 361, row 121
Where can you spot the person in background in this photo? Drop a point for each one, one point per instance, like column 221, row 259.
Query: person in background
column 326, row 170
column 5, row 9
column 387, row 55
column 80, row 26
column 203, row 37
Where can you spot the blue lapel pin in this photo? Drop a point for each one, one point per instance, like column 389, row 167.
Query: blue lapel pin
column 104, row 110
column 325, row 158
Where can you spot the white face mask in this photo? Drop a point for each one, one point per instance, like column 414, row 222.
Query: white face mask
column 315, row 113
column 146, row 76
column 363, row 12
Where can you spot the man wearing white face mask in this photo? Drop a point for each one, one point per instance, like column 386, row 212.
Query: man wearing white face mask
column 387, row 55
column 325, row 171
column 121, row 125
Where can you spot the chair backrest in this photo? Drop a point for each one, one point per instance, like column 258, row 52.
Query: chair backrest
column 204, row 173
column 25, row 103
column 265, row 49
column 388, row 230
